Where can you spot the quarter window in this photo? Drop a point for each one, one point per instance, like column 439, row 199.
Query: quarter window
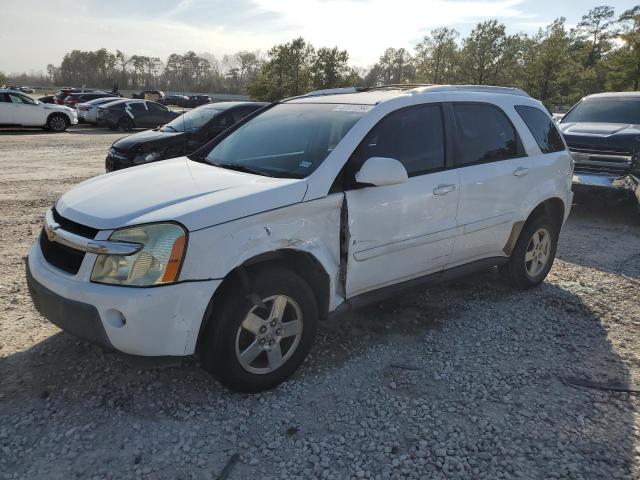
column 542, row 128
column 485, row 134
column 414, row 136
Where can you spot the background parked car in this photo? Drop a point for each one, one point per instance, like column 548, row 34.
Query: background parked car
column 181, row 136
column 87, row 111
column 126, row 115
column 153, row 95
column 177, row 100
column 64, row 92
column 19, row 109
column 47, row 99
column 603, row 134
column 196, row 101
column 74, row 98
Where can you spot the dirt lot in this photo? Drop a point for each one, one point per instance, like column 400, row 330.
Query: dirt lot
column 467, row 380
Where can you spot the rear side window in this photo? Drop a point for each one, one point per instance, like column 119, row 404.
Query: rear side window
column 137, row 107
column 542, row 128
column 155, row 107
column 413, row 135
column 485, row 134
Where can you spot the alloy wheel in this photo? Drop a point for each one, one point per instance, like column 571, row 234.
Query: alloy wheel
column 269, row 334
column 538, row 252
column 57, row 124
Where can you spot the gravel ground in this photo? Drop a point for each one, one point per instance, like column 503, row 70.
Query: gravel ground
column 466, row 380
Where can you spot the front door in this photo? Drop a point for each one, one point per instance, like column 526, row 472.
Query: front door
column 399, row 232
column 26, row 111
column 493, row 168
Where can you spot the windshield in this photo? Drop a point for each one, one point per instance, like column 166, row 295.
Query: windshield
column 191, row 121
column 606, row 110
column 289, row 140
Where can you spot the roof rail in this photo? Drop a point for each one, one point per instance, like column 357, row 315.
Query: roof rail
column 424, row 87
column 477, row 88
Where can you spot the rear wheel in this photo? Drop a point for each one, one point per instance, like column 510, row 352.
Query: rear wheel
column 125, row 124
column 533, row 254
column 255, row 342
column 57, row 123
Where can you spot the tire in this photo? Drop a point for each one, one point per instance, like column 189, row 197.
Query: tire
column 246, row 361
column 522, row 270
column 58, row 123
column 125, row 124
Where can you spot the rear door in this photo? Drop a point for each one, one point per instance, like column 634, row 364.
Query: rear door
column 399, row 232
column 493, row 169
column 140, row 114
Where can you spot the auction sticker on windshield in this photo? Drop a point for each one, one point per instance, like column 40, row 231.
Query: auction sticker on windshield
column 352, row 108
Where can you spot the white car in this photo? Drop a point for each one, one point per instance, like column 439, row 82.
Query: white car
column 19, row 109
column 308, row 208
column 87, row 111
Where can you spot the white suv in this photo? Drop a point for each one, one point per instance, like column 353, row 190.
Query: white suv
column 19, row 109
column 308, row 207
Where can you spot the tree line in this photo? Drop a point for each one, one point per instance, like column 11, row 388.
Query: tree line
column 557, row 65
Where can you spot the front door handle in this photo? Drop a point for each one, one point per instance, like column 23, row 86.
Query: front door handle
column 443, row 189
column 520, row 171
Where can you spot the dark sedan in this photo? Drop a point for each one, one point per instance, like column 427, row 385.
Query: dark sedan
column 603, row 134
column 180, row 137
column 125, row 115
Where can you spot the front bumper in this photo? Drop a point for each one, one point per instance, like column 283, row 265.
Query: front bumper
column 625, row 182
column 154, row 321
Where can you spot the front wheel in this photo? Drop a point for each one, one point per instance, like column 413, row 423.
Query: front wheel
column 254, row 342
column 58, row 123
column 533, row 254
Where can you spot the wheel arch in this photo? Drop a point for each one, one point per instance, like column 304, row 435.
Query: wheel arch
column 301, row 262
column 58, row 113
column 554, row 207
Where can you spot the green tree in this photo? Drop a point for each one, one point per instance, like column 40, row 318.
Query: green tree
column 550, row 68
column 623, row 65
column 481, row 52
column 436, row 56
column 595, row 29
column 330, row 69
column 287, row 71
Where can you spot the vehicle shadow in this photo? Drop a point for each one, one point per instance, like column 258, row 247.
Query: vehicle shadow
column 485, row 359
column 602, row 232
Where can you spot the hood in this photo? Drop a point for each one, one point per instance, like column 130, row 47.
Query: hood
column 195, row 194
column 58, row 108
column 617, row 137
column 148, row 138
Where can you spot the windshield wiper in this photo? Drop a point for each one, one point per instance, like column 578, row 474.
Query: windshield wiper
column 241, row 168
column 171, row 127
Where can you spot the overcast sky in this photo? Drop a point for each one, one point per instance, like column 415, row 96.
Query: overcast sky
column 34, row 33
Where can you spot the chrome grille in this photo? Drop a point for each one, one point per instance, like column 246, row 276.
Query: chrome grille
column 601, row 161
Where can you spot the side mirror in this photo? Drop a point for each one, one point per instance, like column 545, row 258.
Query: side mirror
column 380, row 171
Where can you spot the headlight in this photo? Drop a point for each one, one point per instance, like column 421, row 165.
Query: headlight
column 157, row 263
column 146, row 157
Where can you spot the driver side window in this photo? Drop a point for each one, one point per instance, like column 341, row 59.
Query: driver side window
column 412, row 135
column 20, row 99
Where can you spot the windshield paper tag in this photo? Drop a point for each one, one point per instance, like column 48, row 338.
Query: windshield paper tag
column 352, row 108
column 304, row 164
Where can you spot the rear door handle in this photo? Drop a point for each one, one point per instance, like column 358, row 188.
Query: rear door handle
column 520, row 171
column 443, row 189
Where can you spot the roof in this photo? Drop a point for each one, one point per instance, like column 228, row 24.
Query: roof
column 375, row 95
column 615, row 95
